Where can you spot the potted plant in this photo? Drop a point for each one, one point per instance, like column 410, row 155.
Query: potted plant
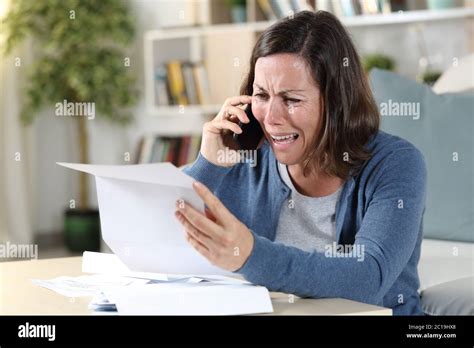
column 237, row 10
column 429, row 77
column 79, row 51
column 377, row 60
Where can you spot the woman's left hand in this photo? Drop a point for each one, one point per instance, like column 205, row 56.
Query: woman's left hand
column 218, row 235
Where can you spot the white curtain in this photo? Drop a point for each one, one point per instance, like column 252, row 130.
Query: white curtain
column 15, row 148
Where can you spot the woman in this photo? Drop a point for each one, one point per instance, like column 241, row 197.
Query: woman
column 333, row 206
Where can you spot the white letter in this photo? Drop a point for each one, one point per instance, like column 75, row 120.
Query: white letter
column 91, row 110
column 59, row 109
column 22, row 331
column 52, row 333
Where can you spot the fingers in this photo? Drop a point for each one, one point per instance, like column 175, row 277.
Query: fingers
column 237, row 112
column 191, row 230
column 229, row 116
column 199, row 247
column 213, row 203
column 209, row 215
column 226, row 124
column 198, row 221
column 238, row 100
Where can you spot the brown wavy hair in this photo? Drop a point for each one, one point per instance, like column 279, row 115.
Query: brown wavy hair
column 349, row 113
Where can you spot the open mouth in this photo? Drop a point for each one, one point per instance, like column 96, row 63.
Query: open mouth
column 284, row 139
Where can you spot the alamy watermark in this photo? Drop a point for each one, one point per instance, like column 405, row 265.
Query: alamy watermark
column 21, row 251
column 83, row 109
column 335, row 250
column 228, row 156
column 405, row 109
column 28, row 330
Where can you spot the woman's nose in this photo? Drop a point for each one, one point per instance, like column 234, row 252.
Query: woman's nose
column 275, row 114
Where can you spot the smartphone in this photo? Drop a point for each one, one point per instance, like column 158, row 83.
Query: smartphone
column 251, row 134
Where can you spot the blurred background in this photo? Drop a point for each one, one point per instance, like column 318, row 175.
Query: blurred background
column 151, row 72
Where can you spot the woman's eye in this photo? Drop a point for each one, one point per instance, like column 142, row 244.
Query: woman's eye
column 261, row 95
column 291, row 100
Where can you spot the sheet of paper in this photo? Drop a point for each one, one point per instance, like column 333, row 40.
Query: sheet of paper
column 137, row 204
column 190, row 299
column 153, row 173
column 87, row 285
column 102, row 263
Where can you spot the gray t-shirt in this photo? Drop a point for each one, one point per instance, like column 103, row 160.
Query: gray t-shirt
column 307, row 223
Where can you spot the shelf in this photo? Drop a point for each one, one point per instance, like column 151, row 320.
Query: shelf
column 168, row 124
column 408, row 17
column 200, row 45
column 175, row 33
column 400, row 17
column 176, row 110
column 354, row 21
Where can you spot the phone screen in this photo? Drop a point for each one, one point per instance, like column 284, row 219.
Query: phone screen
column 251, row 134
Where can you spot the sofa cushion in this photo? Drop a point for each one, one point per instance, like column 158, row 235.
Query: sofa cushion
column 451, row 298
column 441, row 126
column 442, row 261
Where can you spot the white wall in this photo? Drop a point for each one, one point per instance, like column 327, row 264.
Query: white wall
column 55, row 136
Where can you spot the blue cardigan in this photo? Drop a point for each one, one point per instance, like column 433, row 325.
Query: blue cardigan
column 380, row 209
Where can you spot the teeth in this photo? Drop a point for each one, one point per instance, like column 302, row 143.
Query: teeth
column 284, row 137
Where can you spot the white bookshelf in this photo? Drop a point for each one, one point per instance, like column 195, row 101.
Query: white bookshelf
column 191, row 44
column 185, row 109
column 198, row 44
column 403, row 17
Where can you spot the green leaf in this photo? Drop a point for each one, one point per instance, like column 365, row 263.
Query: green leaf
column 80, row 59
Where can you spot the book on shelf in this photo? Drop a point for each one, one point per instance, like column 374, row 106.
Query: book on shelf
column 267, row 10
column 176, row 83
column 162, row 92
column 275, row 9
column 177, row 150
column 282, row 8
column 201, row 84
column 189, row 84
column 347, row 8
column 181, row 83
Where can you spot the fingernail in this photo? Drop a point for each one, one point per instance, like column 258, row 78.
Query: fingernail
column 197, row 185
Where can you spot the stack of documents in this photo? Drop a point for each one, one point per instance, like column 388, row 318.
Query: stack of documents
column 136, row 205
column 117, row 289
column 87, row 285
column 175, row 298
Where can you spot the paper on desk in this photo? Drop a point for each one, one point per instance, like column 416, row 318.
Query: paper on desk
column 137, row 204
column 87, row 285
column 189, row 299
column 103, row 263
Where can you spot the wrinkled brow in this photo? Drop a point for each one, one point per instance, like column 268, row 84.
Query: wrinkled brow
column 283, row 91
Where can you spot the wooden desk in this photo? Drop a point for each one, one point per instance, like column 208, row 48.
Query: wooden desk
column 19, row 296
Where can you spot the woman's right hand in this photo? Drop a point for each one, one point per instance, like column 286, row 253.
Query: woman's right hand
column 218, row 133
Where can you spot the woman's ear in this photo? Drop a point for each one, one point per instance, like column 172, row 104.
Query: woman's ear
column 321, row 104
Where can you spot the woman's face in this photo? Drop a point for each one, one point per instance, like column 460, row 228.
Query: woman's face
column 286, row 103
